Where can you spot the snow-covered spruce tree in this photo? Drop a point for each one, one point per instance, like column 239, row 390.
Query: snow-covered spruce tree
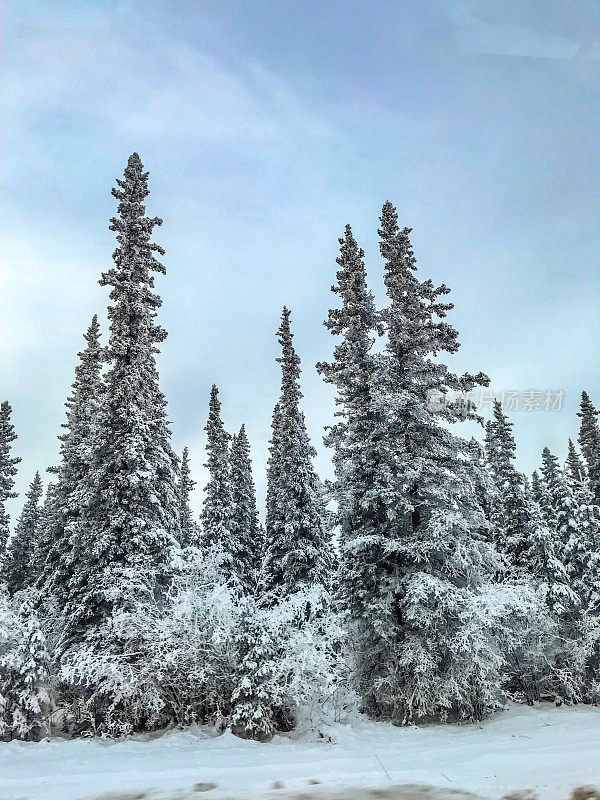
column 589, row 442
column 217, row 533
column 24, row 672
column 512, row 520
column 556, row 502
column 582, row 548
column 253, row 715
column 441, row 529
column 245, row 525
column 21, row 559
column 298, row 548
column 574, row 466
column 189, row 530
column 485, row 487
column 131, row 520
column 59, row 550
column 368, row 501
column 8, row 470
column 536, row 487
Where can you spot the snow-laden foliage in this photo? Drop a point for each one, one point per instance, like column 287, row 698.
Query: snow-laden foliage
column 25, row 704
column 21, row 560
column 245, row 525
column 217, row 503
column 209, row 654
column 131, row 516
column 189, row 530
column 298, row 543
column 291, row 666
column 589, row 442
column 8, row 470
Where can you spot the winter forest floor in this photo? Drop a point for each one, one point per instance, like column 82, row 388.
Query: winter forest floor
column 547, row 751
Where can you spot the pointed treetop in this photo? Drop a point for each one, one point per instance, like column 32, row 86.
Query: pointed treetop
column 8, row 464
column 289, row 360
column 574, row 464
column 357, row 317
column 589, row 442
column 394, row 245
column 36, row 486
column 8, row 470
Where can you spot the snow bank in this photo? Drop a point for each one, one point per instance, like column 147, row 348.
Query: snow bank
column 547, row 750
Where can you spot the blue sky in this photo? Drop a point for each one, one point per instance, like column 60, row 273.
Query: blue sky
column 266, row 126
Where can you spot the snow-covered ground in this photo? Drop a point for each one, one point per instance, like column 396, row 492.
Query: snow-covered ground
column 547, row 750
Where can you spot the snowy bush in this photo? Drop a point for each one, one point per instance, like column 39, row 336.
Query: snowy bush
column 24, row 670
column 292, row 673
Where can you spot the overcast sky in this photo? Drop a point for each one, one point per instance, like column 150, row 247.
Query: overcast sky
column 268, row 125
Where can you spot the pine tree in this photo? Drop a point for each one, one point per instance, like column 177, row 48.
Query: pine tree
column 298, row 546
column 364, row 474
column 245, row 526
column 536, row 486
column 557, row 502
column 59, row 550
column 21, row 561
column 252, row 697
column 24, row 674
column 190, row 533
column 560, row 533
column 216, row 513
column 131, row 521
column 589, row 441
column 512, row 522
column 484, row 485
column 8, row 470
column 582, row 548
column 441, row 531
column 574, row 466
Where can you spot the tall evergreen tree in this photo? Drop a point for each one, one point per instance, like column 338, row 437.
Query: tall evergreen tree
column 513, row 521
column 298, row 545
column 245, row 526
column 484, row 485
column 8, row 470
column 582, row 548
column 21, row 562
column 132, row 519
column 557, row 502
column 574, row 466
column 24, row 674
column 216, row 513
column 189, row 530
column 441, row 527
column 59, row 550
column 536, row 486
column 363, row 462
column 589, row 441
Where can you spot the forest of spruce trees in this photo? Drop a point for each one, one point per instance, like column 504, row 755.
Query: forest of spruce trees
column 430, row 580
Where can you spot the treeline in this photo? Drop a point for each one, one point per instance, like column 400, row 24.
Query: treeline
column 429, row 580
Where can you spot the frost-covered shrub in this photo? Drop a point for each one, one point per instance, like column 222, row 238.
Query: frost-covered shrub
column 313, row 661
column 466, row 650
column 291, row 668
column 191, row 641
column 108, row 693
column 177, row 667
column 25, row 704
